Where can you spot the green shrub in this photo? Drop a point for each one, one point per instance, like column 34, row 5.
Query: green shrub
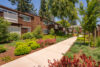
column 2, row 49
column 80, row 38
column 27, row 36
column 37, row 32
column 20, row 43
column 14, row 36
column 6, row 58
column 4, row 34
column 33, row 44
column 22, row 49
column 98, row 41
column 52, row 32
column 48, row 37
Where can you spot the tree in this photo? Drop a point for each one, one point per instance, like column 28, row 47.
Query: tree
column 52, row 31
column 24, row 5
column 37, row 33
column 90, row 15
column 65, row 23
column 4, row 34
column 44, row 12
column 63, row 9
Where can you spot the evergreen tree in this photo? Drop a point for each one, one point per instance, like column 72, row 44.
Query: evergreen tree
column 44, row 11
column 24, row 5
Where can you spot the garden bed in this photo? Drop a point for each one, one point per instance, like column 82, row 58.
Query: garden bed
column 79, row 48
column 10, row 54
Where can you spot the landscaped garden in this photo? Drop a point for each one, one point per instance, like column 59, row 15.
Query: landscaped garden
column 14, row 46
column 80, row 55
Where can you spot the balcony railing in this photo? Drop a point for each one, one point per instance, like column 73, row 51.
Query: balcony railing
column 11, row 17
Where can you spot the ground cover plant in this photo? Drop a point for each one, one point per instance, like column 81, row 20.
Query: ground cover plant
column 80, row 47
column 2, row 49
column 81, row 61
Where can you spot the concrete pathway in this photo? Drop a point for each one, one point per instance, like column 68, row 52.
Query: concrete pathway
column 40, row 58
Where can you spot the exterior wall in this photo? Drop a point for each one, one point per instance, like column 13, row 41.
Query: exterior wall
column 1, row 14
column 23, row 25
column 14, row 29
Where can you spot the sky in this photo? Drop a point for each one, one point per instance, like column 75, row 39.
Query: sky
column 36, row 5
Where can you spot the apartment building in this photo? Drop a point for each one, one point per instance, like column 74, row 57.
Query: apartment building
column 24, row 22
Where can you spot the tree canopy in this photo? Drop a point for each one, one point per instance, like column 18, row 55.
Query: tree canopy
column 63, row 9
column 24, row 5
column 90, row 14
column 65, row 23
column 44, row 11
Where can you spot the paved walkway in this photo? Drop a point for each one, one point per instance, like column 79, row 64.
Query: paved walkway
column 40, row 58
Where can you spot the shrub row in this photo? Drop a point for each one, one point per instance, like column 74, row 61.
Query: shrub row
column 46, row 42
column 25, row 47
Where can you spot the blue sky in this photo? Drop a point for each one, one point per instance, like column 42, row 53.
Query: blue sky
column 36, row 5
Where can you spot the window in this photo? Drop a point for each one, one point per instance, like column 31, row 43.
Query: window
column 26, row 18
column 45, row 31
column 11, row 16
column 45, row 22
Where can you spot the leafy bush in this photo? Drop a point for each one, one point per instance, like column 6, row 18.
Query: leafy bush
column 52, row 32
column 48, row 37
column 59, row 33
column 80, row 38
column 43, row 43
column 14, row 43
column 2, row 49
column 6, row 58
column 82, row 61
column 37, row 32
column 14, row 36
column 22, row 49
column 33, row 44
column 98, row 41
column 4, row 34
column 27, row 36
column 20, row 43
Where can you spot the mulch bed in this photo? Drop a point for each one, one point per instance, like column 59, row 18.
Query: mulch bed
column 10, row 53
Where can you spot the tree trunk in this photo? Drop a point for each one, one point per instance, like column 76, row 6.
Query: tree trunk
column 84, row 36
column 94, row 37
column 89, row 39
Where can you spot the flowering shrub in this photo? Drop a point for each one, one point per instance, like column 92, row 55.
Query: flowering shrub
column 46, row 42
column 82, row 61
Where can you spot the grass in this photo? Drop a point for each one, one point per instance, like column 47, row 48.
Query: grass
column 11, row 43
column 61, row 38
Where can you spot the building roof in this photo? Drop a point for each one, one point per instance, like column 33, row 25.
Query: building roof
column 15, row 10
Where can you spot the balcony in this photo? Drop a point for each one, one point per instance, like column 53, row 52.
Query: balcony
column 11, row 17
